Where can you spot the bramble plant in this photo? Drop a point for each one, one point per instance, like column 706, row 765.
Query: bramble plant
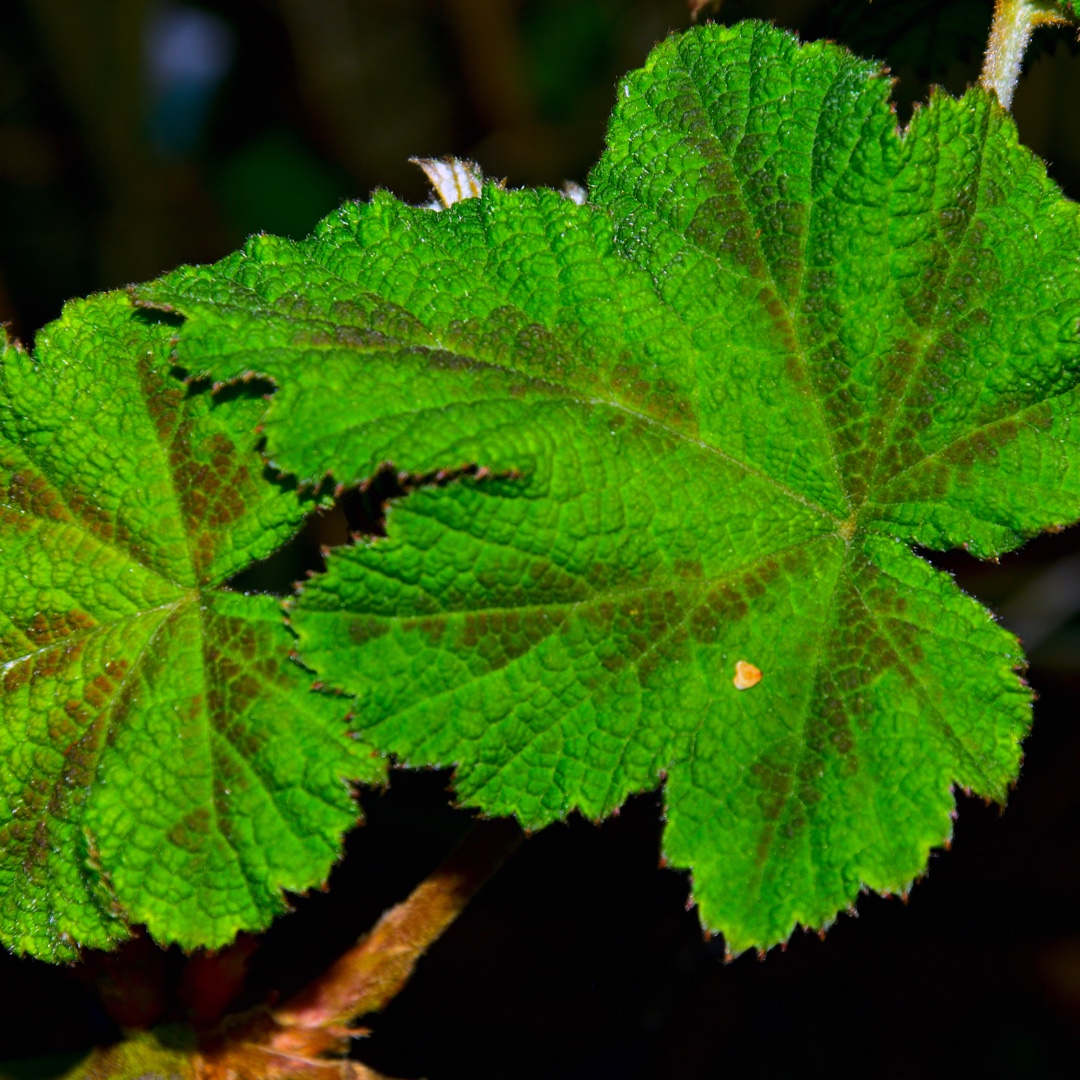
column 656, row 462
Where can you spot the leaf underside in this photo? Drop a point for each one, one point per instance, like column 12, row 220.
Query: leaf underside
column 162, row 759
column 711, row 410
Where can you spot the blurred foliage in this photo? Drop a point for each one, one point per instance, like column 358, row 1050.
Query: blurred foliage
column 137, row 134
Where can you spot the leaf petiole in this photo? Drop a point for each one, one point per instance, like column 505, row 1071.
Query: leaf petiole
column 1014, row 22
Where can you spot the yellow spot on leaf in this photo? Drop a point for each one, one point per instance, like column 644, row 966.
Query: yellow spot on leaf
column 746, row 675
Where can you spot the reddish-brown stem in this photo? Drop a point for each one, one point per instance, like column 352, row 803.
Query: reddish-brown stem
column 309, row 1035
column 370, row 974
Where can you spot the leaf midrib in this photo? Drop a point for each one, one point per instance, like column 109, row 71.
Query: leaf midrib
column 559, row 392
column 100, row 627
column 793, row 324
column 928, row 333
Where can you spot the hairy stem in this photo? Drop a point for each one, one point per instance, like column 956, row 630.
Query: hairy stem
column 370, row 974
column 1014, row 22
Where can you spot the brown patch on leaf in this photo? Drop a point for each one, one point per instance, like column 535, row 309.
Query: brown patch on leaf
column 45, row 628
column 191, row 831
column 16, row 676
column 364, row 628
column 33, row 494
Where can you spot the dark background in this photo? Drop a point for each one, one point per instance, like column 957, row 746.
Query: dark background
column 137, row 135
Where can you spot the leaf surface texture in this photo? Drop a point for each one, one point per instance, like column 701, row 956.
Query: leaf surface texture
column 713, row 410
column 164, row 762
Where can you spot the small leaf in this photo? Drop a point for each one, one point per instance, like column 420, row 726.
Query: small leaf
column 161, row 759
column 711, row 412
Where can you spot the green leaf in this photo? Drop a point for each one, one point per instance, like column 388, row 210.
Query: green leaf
column 161, row 759
column 710, row 413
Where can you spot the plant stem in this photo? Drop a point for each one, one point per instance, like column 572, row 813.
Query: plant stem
column 1010, row 33
column 308, row 1037
column 368, row 976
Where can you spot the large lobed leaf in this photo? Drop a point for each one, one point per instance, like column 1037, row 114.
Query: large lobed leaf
column 718, row 405
column 161, row 759
column 712, row 411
